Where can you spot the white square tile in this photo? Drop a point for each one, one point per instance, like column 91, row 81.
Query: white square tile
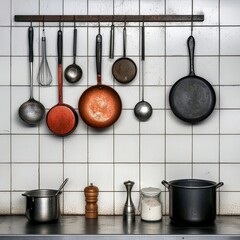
column 154, row 41
column 120, row 199
column 126, row 148
column 127, row 116
column 105, row 203
column 203, row 144
column 51, row 176
column 5, row 177
column 210, row 10
column 5, row 41
column 101, row 175
column 229, row 203
column 230, row 180
column 178, row 7
column 126, row 7
column 155, row 124
column 5, row 108
column 229, row 40
column 19, row 145
column 123, row 174
column 178, row 171
column 154, row 71
column 155, row 96
column 24, row 176
column 230, row 97
column 5, row 148
column 124, row 92
column 152, row 148
column 18, row 203
column 207, row 68
column 100, row 148
column 75, row 148
column 51, row 7
column 75, row 7
column 229, row 69
column 72, row 95
column 206, row 171
column 206, row 40
column 229, row 14
column 77, row 174
column 176, row 40
column 56, row 144
column 5, row 70
column 229, row 148
column 229, row 116
column 175, row 125
column 178, row 148
column 20, row 41
column 5, row 203
column 209, row 126
column 49, row 96
column 96, row 7
column 74, row 203
column 152, row 7
column 24, row 7
column 152, row 175
column 5, row 13
column 20, row 71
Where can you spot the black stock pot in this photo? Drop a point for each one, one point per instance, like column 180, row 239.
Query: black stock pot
column 192, row 201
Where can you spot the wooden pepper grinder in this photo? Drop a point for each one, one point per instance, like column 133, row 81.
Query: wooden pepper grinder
column 91, row 197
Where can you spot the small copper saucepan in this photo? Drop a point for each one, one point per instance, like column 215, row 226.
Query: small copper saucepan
column 62, row 119
column 99, row 106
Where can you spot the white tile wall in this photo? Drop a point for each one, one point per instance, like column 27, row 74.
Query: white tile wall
column 145, row 152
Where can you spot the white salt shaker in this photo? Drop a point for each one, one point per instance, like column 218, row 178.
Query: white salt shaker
column 150, row 206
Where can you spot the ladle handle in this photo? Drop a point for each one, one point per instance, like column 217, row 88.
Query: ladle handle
column 99, row 57
column 62, row 186
column 30, row 42
column 74, row 45
column 143, row 58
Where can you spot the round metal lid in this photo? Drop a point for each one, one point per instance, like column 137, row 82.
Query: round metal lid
column 150, row 191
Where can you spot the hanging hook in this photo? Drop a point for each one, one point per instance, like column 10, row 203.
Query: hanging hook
column 60, row 21
column 98, row 25
column 31, row 21
column 74, row 21
column 192, row 19
column 125, row 21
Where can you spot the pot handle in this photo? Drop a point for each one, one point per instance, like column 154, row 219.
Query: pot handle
column 218, row 185
column 166, row 184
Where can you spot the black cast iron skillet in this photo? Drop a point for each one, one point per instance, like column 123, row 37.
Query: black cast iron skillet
column 192, row 98
column 124, row 69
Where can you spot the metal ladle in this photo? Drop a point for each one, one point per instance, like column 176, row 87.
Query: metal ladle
column 73, row 72
column 61, row 187
column 31, row 111
column 143, row 109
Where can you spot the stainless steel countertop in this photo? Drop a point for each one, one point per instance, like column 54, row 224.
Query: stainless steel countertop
column 113, row 227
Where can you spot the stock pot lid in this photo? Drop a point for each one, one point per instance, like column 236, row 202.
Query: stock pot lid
column 41, row 193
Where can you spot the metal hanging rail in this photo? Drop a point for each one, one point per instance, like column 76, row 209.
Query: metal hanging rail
column 109, row 18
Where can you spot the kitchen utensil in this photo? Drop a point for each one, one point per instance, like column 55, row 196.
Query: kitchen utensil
column 32, row 111
column 112, row 38
column 91, row 197
column 62, row 118
column 62, row 186
column 43, row 205
column 129, row 208
column 44, row 76
column 192, row 201
column 143, row 109
column 73, row 72
column 192, row 98
column 99, row 106
column 150, row 207
column 124, row 69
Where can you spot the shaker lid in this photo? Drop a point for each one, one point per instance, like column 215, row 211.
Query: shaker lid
column 150, row 191
column 91, row 188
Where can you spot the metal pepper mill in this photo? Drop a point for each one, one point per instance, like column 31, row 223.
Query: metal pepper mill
column 129, row 208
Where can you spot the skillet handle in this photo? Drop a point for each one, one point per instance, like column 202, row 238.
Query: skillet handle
column 99, row 57
column 191, row 47
column 111, row 51
column 166, row 184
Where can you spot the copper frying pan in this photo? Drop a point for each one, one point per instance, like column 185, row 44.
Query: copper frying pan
column 99, row 106
column 62, row 118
